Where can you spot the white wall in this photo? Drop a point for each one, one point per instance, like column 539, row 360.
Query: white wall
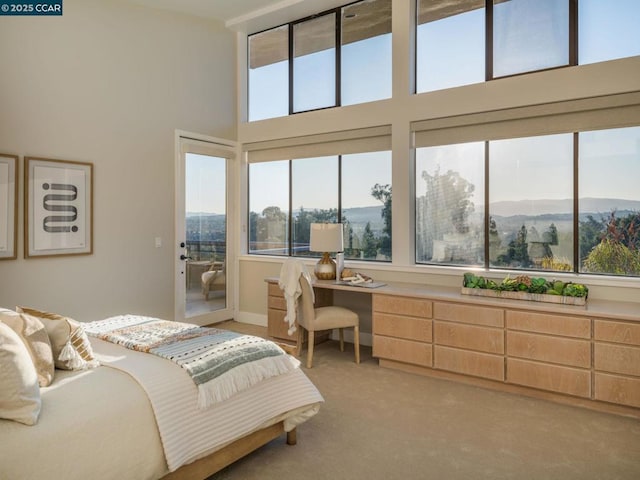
column 108, row 83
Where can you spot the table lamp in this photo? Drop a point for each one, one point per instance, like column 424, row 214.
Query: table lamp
column 325, row 238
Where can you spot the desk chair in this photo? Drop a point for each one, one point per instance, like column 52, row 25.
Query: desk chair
column 314, row 319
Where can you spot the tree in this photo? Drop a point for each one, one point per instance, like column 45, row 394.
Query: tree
column 517, row 254
column 383, row 194
column 591, row 232
column 444, row 209
column 369, row 243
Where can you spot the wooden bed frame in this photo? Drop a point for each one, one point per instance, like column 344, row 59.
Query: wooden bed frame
column 207, row 466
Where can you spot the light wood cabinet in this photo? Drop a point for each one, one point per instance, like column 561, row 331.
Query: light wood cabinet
column 402, row 330
column 579, row 355
column 617, row 362
column 469, row 340
column 549, row 352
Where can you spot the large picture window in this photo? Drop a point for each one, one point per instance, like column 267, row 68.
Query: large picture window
column 529, row 222
column 352, row 189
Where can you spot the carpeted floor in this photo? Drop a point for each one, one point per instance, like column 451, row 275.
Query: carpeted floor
column 383, row 424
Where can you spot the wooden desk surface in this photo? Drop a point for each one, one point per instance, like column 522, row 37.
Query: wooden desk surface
column 629, row 311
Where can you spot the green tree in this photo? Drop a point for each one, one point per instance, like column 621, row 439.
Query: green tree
column 613, row 257
column 591, row 232
column 369, row 243
column 382, row 193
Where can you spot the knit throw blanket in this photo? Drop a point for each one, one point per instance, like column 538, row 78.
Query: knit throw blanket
column 221, row 363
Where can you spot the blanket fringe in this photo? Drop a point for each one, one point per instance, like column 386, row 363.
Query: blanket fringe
column 243, row 377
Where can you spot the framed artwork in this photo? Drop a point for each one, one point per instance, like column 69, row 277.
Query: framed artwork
column 8, row 206
column 58, row 207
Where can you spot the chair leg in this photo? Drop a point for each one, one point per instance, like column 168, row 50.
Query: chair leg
column 300, row 341
column 341, row 339
column 310, row 342
column 356, row 342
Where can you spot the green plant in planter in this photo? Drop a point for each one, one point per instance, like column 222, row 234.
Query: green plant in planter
column 524, row 283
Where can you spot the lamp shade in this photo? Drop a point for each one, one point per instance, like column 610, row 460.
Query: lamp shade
column 326, row 237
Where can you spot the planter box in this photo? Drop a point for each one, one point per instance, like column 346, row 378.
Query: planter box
column 532, row 297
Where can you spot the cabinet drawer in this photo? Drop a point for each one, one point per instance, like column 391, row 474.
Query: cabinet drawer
column 491, row 317
column 469, row 363
column 555, row 378
column 617, row 332
column 414, row 307
column 566, row 351
column 615, row 389
column 482, row 339
column 617, row 358
column 276, row 302
column 401, row 350
column 276, row 326
column 411, row 328
column 546, row 323
column 274, row 290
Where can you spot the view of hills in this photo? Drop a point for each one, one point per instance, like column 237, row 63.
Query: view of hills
column 541, row 207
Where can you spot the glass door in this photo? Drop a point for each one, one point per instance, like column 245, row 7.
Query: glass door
column 203, row 293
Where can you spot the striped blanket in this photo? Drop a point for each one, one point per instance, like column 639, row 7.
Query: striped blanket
column 221, row 363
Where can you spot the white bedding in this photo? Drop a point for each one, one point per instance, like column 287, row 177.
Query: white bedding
column 188, row 432
column 99, row 423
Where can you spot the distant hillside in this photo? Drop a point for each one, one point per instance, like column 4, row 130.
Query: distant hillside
column 554, row 207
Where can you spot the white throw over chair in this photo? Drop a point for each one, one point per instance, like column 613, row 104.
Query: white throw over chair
column 313, row 319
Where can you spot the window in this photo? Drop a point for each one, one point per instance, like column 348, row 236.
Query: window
column 530, row 206
column 608, row 30
column 314, row 193
column 366, row 205
column 314, row 63
column 530, row 222
column 366, row 52
column 609, row 206
column 269, row 74
column 446, row 58
column 522, row 36
column 269, row 208
column 449, row 204
column 529, row 35
column 340, row 57
column 353, row 189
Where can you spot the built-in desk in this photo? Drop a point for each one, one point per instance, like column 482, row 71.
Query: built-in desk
column 587, row 355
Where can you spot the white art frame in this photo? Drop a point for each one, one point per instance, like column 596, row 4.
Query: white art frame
column 58, row 207
column 8, row 206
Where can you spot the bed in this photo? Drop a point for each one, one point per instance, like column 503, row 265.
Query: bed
column 136, row 416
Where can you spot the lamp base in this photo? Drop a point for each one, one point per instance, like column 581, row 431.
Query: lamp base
column 325, row 268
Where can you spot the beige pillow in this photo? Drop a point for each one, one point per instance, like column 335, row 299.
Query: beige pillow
column 32, row 332
column 70, row 344
column 19, row 389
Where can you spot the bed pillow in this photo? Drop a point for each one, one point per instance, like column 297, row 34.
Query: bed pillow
column 19, row 389
column 32, row 332
column 70, row 344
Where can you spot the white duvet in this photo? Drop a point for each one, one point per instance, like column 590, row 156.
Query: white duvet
column 100, row 423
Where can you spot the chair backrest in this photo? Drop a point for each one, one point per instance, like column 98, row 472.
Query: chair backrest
column 306, row 313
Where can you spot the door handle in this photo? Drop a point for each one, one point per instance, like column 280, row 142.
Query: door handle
column 184, row 257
